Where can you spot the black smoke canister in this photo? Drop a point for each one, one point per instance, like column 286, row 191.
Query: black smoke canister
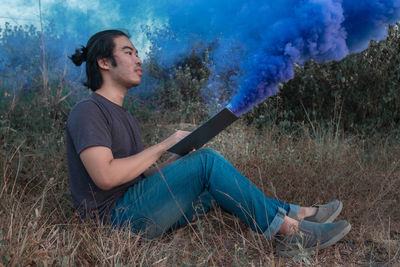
column 204, row 132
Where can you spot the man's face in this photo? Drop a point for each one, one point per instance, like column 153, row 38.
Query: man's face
column 128, row 70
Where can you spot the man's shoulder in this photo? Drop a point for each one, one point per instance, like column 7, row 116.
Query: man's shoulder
column 85, row 109
column 86, row 103
column 93, row 101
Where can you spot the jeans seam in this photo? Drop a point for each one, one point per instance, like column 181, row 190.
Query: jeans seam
column 275, row 225
column 293, row 211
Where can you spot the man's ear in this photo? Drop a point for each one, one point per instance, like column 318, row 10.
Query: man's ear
column 104, row 63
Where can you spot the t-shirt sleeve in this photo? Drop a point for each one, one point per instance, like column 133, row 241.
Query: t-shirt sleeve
column 88, row 126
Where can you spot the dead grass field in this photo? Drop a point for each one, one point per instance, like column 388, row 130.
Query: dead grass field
column 38, row 226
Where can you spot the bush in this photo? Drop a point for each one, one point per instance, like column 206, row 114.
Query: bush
column 179, row 91
column 360, row 93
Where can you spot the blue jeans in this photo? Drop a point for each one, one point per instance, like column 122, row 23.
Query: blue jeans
column 193, row 185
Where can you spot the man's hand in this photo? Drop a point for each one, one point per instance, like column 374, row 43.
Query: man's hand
column 175, row 157
column 167, row 143
column 175, row 138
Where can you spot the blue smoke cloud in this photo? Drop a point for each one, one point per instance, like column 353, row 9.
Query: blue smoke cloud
column 256, row 42
column 264, row 38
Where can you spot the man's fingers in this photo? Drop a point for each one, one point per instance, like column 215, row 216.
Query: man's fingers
column 181, row 134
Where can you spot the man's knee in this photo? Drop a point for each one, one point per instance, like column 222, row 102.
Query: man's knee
column 208, row 152
column 205, row 157
column 204, row 153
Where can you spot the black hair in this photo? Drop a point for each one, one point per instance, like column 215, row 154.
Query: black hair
column 100, row 45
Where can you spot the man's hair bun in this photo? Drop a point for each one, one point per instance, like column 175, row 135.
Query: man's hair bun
column 79, row 56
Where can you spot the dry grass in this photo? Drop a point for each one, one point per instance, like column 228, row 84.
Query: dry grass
column 38, row 225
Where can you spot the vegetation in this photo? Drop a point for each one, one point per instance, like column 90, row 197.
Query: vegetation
column 306, row 146
column 359, row 94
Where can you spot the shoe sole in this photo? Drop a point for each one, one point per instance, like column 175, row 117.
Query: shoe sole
column 335, row 214
column 328, row 243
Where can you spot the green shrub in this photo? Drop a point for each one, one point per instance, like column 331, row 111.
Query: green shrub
column 179, row 91
column 360, row 93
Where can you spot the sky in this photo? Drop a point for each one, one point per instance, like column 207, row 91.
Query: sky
column 78, row 17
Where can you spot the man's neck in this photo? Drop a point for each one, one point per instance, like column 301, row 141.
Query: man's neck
column 114, row 94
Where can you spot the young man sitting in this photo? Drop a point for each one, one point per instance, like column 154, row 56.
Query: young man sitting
column 111, row 177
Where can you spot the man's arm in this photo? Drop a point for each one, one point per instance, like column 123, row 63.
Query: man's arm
column 107, row 172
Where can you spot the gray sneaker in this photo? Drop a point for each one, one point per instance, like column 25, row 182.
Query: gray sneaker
column 312, row 236
column 326, row 213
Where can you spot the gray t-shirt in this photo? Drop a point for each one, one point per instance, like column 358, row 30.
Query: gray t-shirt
column 96, row 121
